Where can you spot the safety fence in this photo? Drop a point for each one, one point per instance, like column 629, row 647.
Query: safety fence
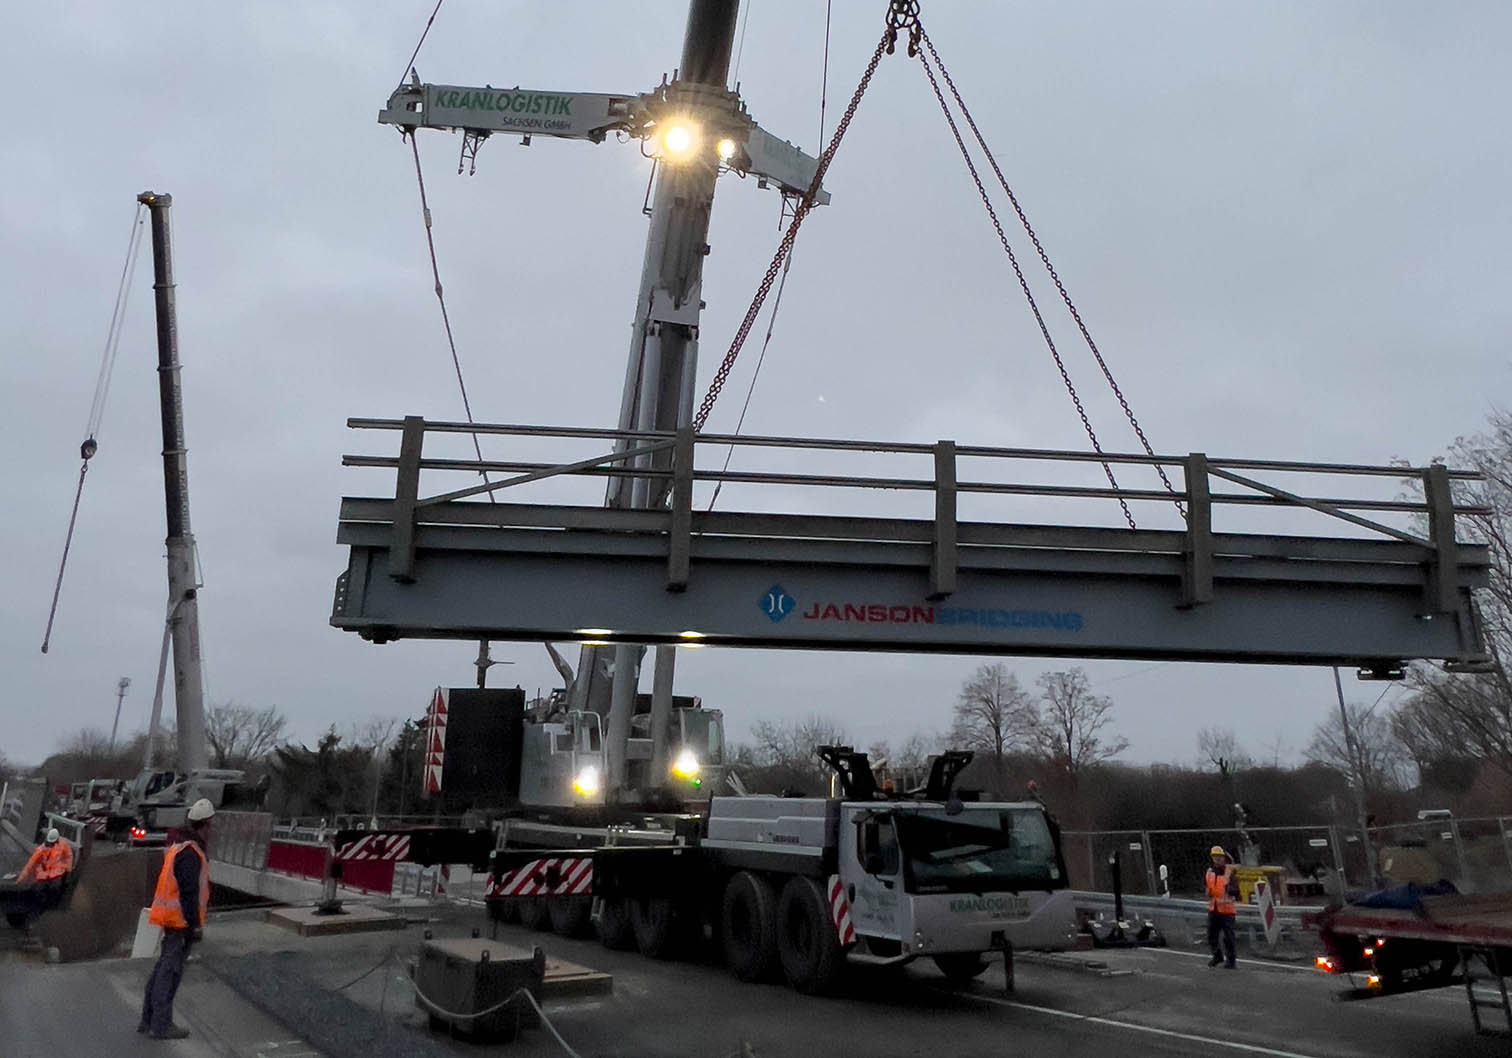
column 241, row 838
column 1474, row 854
column 377, row 864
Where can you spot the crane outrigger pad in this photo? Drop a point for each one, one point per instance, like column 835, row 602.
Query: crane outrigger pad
column 454, row 567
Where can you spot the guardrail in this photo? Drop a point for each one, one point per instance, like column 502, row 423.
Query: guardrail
column 1192, row 914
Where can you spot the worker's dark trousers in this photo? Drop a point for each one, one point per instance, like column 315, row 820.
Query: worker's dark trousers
column 157, row 1005
column 1221, row 928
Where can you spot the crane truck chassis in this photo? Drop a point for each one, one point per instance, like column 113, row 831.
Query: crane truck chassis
column 802, row 885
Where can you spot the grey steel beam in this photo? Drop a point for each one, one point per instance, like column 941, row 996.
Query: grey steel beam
column 1197, row 582
column 1442, row 594
column 942, row 561
column 708, row 524
column 680, row 533
column 407, row 490
column 919, row 448
column 827, row 603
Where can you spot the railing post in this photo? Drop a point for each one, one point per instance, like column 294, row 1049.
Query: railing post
column 406, row 492
column 1197, row 570
column 1443, row 574
column 1149, row 858
column 1501, row 823
column 942, row 561
column 680, row 532
column 1459, row 855
column 1338, row 855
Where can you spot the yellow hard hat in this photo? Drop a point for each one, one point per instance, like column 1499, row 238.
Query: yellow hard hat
column 1217, row 850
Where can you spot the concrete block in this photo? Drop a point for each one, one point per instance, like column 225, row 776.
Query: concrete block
column 565, row 980
column 148, row 938
column 355, row 919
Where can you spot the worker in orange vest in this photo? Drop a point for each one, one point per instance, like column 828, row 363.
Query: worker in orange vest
column 1222, row 887
column 178, row 906
column 48, row 866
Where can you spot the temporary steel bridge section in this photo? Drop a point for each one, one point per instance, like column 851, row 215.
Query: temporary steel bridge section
column 465, row 564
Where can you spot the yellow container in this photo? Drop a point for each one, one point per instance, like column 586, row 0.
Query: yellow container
column 1248, row 876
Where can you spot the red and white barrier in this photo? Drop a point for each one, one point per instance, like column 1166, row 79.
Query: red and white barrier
column 840, row 911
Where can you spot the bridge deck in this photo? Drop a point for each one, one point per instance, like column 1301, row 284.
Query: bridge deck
column 456, row 565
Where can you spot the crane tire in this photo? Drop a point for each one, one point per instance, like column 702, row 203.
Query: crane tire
column 960, row 967
column 614, row 928
column 569, row 915
column 807, row 944
column 534, row 913
column 748, row 926
column 654, row 922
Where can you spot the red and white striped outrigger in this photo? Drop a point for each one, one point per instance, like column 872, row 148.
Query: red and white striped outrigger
column 550, row 876
column 376, row 846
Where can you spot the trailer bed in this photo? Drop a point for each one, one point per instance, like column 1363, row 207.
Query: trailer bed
column 1483, row 920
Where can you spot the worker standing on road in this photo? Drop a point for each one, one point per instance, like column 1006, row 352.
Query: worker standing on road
column 1222, row 887
column 178, row 906
column 48, row 865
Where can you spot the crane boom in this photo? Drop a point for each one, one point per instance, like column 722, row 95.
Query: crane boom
column 183, row 612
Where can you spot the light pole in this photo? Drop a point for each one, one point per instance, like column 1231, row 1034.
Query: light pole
column 121, row 685
column 1357, row 764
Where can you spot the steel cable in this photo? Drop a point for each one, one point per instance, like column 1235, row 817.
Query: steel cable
column 1045, row 260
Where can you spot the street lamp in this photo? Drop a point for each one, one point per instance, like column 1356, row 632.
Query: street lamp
column 121, row 685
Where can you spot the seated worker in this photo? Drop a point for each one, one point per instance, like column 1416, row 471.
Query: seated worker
column 48, row 865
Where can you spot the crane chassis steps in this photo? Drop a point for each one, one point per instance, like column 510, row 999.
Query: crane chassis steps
column 461, row 564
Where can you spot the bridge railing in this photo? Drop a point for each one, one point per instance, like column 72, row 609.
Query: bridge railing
column 662, row 469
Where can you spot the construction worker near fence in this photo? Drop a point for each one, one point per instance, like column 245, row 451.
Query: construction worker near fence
column 47, row 869
column 178, row 906
column 1222, row 887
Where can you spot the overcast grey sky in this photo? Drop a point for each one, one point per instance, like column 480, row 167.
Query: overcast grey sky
column 1286, row 224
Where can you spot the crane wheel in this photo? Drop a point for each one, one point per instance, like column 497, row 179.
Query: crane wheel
column 748, row 926
column 569, row 915
column 534, row 912
column 654, row 922
column 960, row 967
column 614, row 928
column 807, row 944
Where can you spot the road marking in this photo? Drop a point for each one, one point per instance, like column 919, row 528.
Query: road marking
column 1248, row 1048
column 1263, row 963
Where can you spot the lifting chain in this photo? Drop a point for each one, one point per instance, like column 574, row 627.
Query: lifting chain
column 1024, row 286
column 901, row 14
column 1039, row 248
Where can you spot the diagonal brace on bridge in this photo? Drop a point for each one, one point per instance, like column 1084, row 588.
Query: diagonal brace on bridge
column 464, row 563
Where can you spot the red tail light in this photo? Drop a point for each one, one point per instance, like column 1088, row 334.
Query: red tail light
column 138, row 832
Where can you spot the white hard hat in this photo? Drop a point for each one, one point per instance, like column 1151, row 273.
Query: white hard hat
column 52, row 836
column 201, row 810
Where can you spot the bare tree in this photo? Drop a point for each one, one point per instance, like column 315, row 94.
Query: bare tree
column 1476, row 710
column 1220, row 747
column 1070, row 718
column 993, row 713
column 792, row 744
column 1374, row 761
column 239, row 734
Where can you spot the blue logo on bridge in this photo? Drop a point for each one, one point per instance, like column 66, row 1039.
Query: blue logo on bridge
column 777, row 603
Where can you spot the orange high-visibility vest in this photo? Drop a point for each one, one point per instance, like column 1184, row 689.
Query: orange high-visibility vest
column 48, row 862
column 166, row 911
column 1217, row 891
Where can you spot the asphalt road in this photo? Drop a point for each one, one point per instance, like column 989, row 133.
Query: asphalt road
column 91, row 1009
column 1144, row 1003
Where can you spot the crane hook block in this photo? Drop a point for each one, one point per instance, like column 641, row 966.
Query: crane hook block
column 88, row 448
